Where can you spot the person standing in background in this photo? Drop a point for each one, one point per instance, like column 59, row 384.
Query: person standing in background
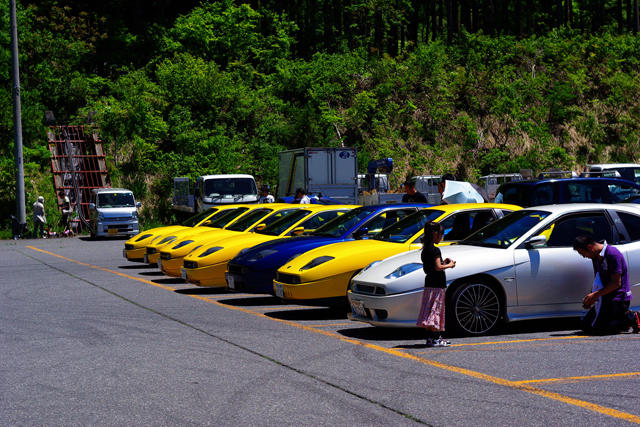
column 265, row 196
column 39, row 219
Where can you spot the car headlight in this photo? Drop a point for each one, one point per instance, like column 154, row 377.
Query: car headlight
column 371, row 265
column 262, row 254
column 100, row 216
column 403, row 270
column 210, row 251
column 316, row 262
column 144, row 236
column 134, row 215
column 183, row 243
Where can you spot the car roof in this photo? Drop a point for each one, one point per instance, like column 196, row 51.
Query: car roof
column 529, row 182
column 227, row 176
column 576, row 207
column 467, row 206
column 110, row 190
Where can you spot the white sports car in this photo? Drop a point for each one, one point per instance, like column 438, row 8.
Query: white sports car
column 522, row 266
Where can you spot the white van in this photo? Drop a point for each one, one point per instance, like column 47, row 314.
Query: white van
column 113, row 212
column 628, row 171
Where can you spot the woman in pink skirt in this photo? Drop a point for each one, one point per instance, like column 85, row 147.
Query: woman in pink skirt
column 435, row 285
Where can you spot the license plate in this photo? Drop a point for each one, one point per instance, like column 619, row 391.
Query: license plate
column 184, row 273
column 113, row 231
column 231, row 282
column 159, row 263
column 279, row 289
column 146, row 259
column 358, row 308
column 124, row 253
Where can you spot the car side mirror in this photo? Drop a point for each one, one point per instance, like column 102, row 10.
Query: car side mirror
column 260, row 226
column 138, row 205
column 359, row 234
column 92, row 206
column 535, row 241
column 297, row 231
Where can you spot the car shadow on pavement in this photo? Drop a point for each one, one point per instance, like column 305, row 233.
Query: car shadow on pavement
column 252, row 301
column 153, row 273
column 553, row 327
column 202, row 291
column 135, row 267
column 320, row 313
column 169, row 281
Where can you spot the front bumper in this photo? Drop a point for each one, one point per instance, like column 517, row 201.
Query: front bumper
column 170, row 267
column 252, row 283
column 135, row 255
column 391, row 311
column 330, row 287
column 117, row 228
column 210, row 275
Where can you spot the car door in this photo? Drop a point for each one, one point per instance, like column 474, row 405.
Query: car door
column 553, row 277
column 630, row 247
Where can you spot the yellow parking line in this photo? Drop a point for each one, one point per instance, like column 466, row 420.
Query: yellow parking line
column 495, row 380
column 585, row 378
column 518, row 341
column 331, row 324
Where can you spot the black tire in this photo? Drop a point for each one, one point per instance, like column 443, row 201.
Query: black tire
column 475, row 308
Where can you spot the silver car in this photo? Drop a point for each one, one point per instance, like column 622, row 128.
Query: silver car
column 522, row 266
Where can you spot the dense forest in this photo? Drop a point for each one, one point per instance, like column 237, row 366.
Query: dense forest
column 191, row 87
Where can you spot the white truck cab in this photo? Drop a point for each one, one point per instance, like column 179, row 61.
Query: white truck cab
column 214, row 190
column 113, row 212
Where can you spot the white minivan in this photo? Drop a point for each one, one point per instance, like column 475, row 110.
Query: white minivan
column 113, row 212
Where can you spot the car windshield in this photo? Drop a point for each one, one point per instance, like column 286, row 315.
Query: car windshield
column 115, row 200
column 220, row 187
column 249, row 219
column 280, row 226
column 339, row 225
column 503, row 232
column 191, row 222
column 227, row 216
column 406, row 228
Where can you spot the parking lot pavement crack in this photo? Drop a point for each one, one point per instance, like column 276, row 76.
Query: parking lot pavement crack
column 236, row 345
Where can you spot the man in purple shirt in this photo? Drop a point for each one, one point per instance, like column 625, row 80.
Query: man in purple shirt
column 609, row 316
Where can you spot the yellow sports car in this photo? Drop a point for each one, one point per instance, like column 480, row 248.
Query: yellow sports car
column 171, row 255
column 321, row 276
column 225, row 215
column 206, row 266
column 135, row 247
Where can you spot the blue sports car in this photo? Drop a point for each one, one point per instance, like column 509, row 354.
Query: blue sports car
column 254, row 269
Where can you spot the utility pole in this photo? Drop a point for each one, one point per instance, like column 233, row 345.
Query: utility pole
column 17, row 117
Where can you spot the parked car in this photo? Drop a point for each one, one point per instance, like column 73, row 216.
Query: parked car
column 538, row 192
column 321, row 276
column 135, row 247
column 522, row 266
column 172, row 255
column 206, row 266
column 628, row 171
column 253, row 270
column 113, row 212
column 225, row 216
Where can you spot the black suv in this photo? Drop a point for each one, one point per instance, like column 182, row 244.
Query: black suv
column 536, row 192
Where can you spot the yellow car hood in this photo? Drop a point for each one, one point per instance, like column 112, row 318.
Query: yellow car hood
column 231, row 246
column 348, row 256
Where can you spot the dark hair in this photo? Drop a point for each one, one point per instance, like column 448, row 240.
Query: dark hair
column 265, row 188
column 447, row 177
column 583, row 242
column 429, row 228
column 301, row 191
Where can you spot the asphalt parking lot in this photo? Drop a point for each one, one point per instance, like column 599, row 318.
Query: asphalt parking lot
column 89, row 338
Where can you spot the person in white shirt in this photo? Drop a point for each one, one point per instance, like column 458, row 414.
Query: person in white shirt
column 301, row 197
column 266, row 197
